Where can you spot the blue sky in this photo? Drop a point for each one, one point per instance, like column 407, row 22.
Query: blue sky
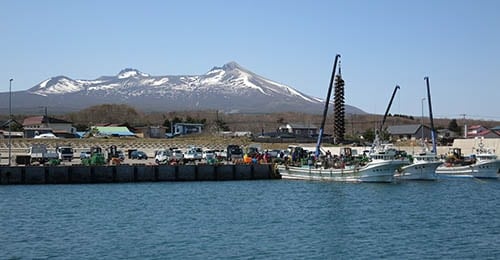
column 382, row 43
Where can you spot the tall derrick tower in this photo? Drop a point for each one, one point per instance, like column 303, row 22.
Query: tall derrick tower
column 339, row 109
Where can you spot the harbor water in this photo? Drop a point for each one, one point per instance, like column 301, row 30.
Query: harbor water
column 268, row 219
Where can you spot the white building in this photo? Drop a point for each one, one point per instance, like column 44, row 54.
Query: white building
column 299, row 129
column 187, row 128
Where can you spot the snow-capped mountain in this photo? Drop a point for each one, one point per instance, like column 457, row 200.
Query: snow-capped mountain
column 230, row 88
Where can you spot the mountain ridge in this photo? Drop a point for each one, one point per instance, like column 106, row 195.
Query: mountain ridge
column 228, row 88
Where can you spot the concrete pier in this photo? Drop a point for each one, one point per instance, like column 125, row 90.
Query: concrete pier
column 145, row 173
column 225, row 172
column 78, row 174
column 124, row 173
column 34, row 175
column 186, row 173
column 57, row 175
column 167, row 173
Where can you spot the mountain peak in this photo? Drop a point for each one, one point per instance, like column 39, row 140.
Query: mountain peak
column 231, row 66
column 129, row 72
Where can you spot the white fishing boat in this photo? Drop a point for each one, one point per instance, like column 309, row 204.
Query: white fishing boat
column 423, row 167
column 373, row 166
column 483, row 163
column 424, row 164
column 374, row 171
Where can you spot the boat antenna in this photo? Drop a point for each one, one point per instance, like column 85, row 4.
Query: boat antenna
column 325, row 111
column 433, row 134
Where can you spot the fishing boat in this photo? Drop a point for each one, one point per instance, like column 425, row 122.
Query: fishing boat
column 371, row 172
column 483, row 163
column 375, row 166
column 422, row 167
column 424, row 164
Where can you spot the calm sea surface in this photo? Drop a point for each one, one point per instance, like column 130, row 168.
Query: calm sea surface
column 277, row 219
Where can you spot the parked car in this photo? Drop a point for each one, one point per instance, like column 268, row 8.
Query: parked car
column 220, row 154
column 163, row 156
column 208, row 154
column 140, row 155
column 234, row 152
column 121, row 155
column 193, row 153
column 274, row 153
column 177, row 155
column 84, row 154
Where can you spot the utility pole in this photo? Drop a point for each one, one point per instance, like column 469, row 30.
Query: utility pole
column 422, row 122
column 47, row 117
column 10, row 120
column 217, row 120
column 465, row 125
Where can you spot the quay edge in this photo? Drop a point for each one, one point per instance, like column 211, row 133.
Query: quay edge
column 80, row 174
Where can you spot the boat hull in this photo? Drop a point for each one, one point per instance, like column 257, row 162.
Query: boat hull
column 418, row 171
column 372, row 172
column 486, row 169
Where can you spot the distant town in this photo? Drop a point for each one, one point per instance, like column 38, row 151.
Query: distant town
column 123, row 121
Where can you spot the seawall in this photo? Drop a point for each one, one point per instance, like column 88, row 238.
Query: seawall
column 79, row 174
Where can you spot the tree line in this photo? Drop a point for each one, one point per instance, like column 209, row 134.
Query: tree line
column 355, row 124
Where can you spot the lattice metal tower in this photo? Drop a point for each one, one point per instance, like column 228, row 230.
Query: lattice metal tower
column 339, row 109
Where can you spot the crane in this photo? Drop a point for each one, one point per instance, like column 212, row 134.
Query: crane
column 433, row 134
column 388, row 107
column 376, row 142
column 325, row 111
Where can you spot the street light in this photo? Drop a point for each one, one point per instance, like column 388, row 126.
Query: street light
column 422, row 122
column 10, row 118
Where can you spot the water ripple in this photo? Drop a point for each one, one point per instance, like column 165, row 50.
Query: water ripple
column 251, row 220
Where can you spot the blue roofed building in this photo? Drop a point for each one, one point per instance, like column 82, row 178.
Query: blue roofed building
column 112, row 131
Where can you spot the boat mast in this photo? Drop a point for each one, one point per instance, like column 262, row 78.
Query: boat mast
column 325, row 111
column 433, row 134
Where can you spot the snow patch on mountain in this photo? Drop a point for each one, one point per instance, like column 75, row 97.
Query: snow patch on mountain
column 158, row 82
column 213, row 77
column 89, row 82
column 104, row 87
column 290, row 90
column 44, row 84
column 127, row 73
column 58, row 85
